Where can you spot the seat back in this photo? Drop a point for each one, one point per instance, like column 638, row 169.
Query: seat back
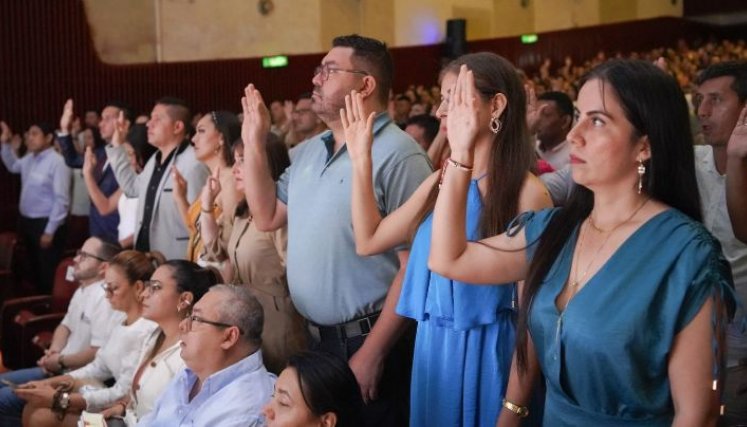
column 63, row 289
column 8, row 243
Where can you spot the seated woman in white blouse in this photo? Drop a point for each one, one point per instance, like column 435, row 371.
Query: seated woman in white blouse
column 168, row 297
column 58, row 401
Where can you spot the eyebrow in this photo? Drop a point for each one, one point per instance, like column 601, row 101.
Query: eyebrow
column 589, row 113
column 283, row 391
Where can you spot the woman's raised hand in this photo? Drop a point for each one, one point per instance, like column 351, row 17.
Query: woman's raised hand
column 66, row 120
column 180, row 184
column 358, row 128
column 256, row 123
column 462, row 122
column 120, row 130
column 211, row 190
column 89, row 162
column 737, row 146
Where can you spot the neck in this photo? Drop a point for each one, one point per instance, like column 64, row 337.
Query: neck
column 168, row 148
column 719, row 158
column 133, row 314
column 87, row 282
column 226, row 359
column 610, row 208
column 482, row 156
column 213, row 163
column 170, row 329
column 549, row 144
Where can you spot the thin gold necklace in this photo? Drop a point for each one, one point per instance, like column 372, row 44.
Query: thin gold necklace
column 579, row 279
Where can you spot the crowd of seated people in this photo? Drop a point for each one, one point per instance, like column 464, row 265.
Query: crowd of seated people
column 500, row 249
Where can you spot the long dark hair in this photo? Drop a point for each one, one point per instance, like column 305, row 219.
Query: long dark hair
column 277, row 159
column 328, row 385
column 511, row 155
column 190, row 277
column 655, row 105
column 228, row 125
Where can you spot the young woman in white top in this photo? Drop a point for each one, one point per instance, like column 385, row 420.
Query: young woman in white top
column 58, row 401
column 168, row 297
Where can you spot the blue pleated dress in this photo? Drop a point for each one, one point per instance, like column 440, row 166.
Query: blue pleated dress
column 465, row 337
column 605, row 359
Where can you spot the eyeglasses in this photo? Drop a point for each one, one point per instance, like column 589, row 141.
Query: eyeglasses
column 193, row 318
column 109, row 287
column 83, row 255
column 152, row 286
column 325, row 70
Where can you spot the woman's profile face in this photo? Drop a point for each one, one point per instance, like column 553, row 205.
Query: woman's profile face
column 604, row 146
column 287, row 408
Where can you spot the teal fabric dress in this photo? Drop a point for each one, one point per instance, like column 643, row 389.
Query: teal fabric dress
column 465, row 337
column 605, row 358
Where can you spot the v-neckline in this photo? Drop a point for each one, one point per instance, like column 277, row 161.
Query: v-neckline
column 603, row 267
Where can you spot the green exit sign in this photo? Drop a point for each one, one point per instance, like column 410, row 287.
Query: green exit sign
column 275, row 61
column 529, row 38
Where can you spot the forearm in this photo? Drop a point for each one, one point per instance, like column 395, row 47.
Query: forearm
column 208, row 226
column 80, row 359
column 520, row 387
column 123, row 172
column 260, row 189
column 61, row 200
column 182, row 206
column 365, row 213
column 72, row 158
column 102, row 203
column 59, row 338
column 9, row 158
column 437, row 149
column 736, row 195
column 390, row 326
column 448, row 239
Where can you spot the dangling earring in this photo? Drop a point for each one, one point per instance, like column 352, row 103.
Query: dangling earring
column 641, row 172
column 495, row 124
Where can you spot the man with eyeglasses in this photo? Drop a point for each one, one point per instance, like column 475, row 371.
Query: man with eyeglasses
column 348, row 300
column 85, row 328
column 304, row 123
column 225, row 382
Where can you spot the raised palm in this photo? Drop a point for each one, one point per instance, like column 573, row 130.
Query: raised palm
column 256, row 123
column 462, row 116
column 357, row 126
column 737, row 145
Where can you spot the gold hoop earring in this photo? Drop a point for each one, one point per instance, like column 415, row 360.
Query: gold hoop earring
column 641, row 172
column 495, row 124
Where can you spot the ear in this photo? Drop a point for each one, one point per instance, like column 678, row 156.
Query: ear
column 498, row 104
column 329, row 419
column 644, row 149
column 567, row 122
column 139, row 287
column 185, row 300
column 231, row 336
column 102, row 268
column 179, row 127
column 369, row 86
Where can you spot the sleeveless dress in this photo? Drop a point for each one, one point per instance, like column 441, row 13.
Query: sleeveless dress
column 465, row 337
column 605, row 356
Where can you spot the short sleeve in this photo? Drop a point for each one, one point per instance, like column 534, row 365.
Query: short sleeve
column 281, row 186
column 534, row 224
column 712, row 279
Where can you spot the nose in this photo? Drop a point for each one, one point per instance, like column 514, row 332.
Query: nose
column 441, row 110
column 704, row 109
column 183, row 326
column 574, row 135
column 316, row 80
column 268, row 412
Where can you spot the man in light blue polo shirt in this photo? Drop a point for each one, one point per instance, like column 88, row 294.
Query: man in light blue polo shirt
column 348, row 300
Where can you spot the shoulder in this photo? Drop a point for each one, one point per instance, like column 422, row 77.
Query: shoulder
column 534, row 194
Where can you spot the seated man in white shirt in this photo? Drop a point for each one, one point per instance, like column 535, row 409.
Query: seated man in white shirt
column 225, row 382
column 75, row 341
column 553, row 123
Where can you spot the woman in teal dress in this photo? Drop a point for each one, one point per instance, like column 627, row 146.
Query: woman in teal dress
column 626, row 294
column 465, row 333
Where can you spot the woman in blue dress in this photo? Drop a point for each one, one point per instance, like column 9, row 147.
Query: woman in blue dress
column 626, row 293
column 465, row 333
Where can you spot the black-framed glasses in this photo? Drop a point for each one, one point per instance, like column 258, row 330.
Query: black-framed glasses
column 325, row 70
column 109, row 287
column 152, row 286
column 83, row 255
column 194, row 318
